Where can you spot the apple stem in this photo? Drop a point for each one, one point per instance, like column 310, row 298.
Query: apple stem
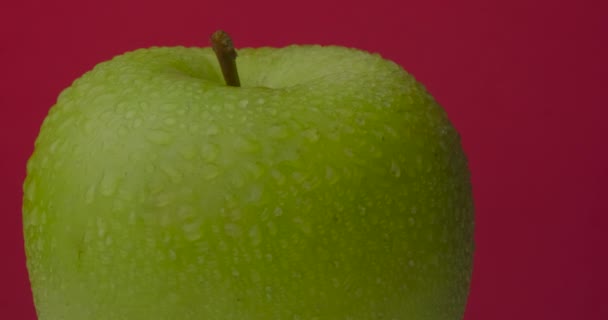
column 226, row 55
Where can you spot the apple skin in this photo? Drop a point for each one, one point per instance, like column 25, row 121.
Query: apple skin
column 330, row 186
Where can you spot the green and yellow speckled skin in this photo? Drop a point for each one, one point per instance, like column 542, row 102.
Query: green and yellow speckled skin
column 331, row 186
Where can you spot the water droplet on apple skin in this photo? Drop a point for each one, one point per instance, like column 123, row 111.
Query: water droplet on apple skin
column 192, row 230
column 254, row 235
column 90, row 194
column 30, row 190
column 277, row 132
column 209, row 152
column 312, row 135
column 278, row 177
column 163, row 199
column 395, row 169
column 212, row 130
column 158, row 137
column 108, row 184
column 243, row 103
column 271, row 227
column 174, row 175
column 255, row 193
column 232, row 230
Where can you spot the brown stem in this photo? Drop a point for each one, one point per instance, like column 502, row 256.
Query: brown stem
column 226, row 55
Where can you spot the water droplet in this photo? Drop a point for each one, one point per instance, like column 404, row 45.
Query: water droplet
column 297, row 176
column 311, row 134
column 172, row 255
column 174, row 175
column 194, row 128
column 209, row 152
column 278, row 211
column 271, row 228
column 170, row 121
column 53, row 146
column 232, row 230
column 277, row 132
column 330, row 175
column 30, row 190
column 254, row 169
column 212, row 130
column 130, row 114
column 109, row 183
column 168, row 106
column 188, row 153
column 90, row 195
column 137, row 123
column 335, row 282
column 30, row 218
column 304, row 226
column 395, row 170
column 254, row 234
column 235, row 214
column 210, row 172
column 44, row 163
column 159, row 137
column 362, row 210
column 255, row 277
column 359, row 292
column 255, row 193
column 101, row 228
column 375, row 152
column 391, row 131
column 192, row 231
column 163, row 199
column 185, row 212
column 88, row 126
column 237, row 180
column 411, row 221
column 164, row 219
column 132, row 218
column 280, row 179
column 244, row 145
column 243, row 103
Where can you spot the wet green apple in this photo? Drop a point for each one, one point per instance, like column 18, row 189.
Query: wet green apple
column 329, row 185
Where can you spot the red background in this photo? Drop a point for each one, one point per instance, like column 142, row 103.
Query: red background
column 523, row 81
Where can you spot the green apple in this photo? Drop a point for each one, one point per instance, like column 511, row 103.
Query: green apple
column 330, row 185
